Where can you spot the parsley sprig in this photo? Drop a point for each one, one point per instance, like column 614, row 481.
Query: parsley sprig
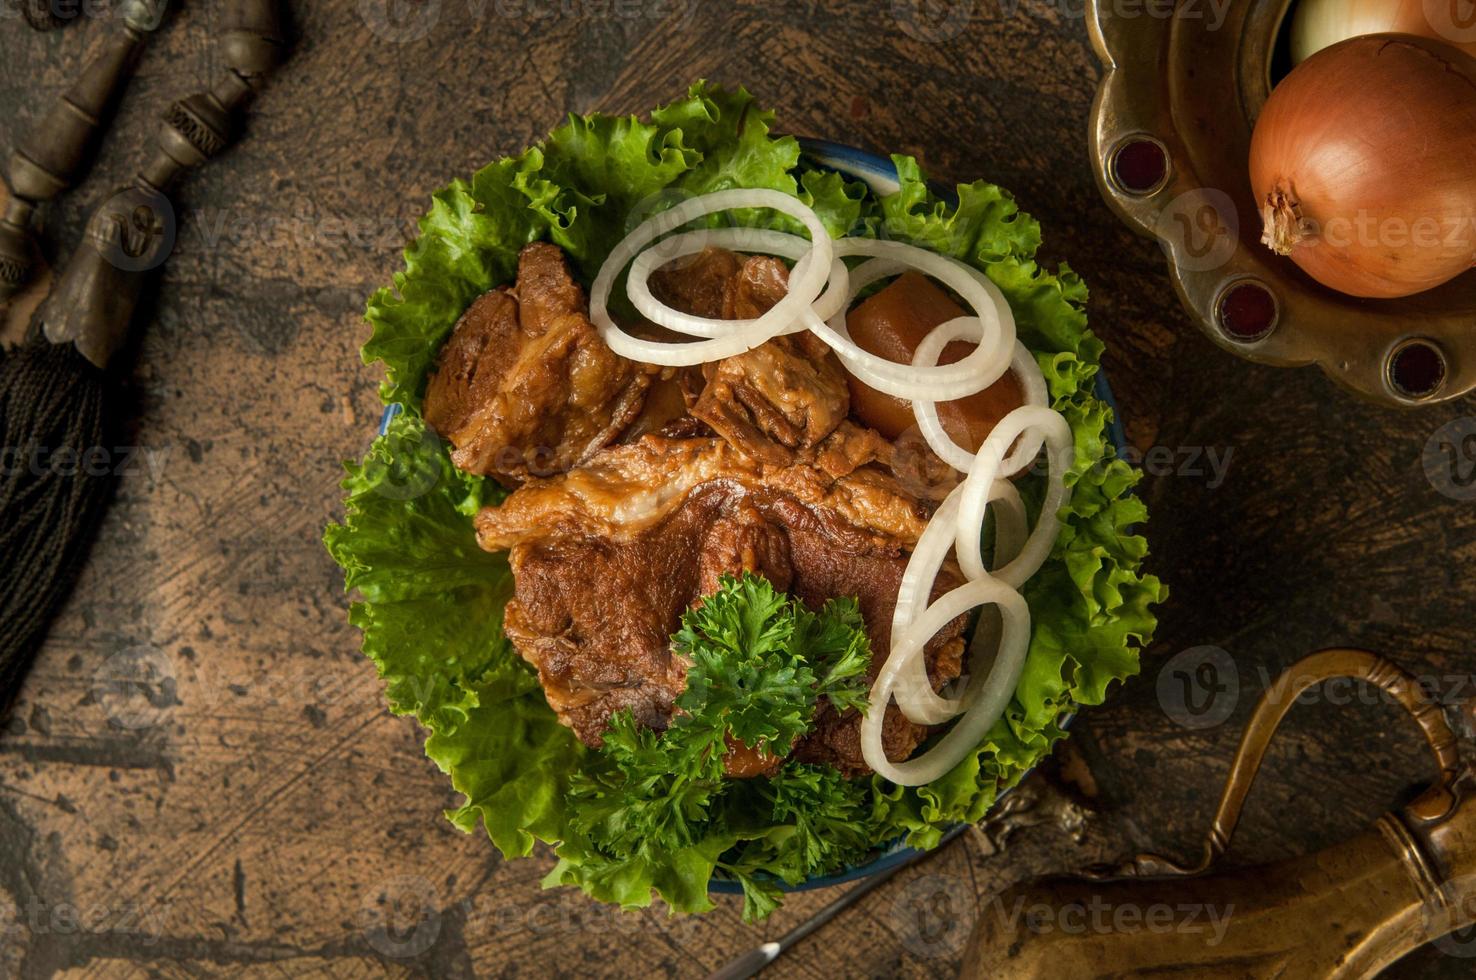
column 759, row 663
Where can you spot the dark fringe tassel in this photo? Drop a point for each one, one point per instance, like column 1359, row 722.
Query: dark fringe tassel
column 51, row 399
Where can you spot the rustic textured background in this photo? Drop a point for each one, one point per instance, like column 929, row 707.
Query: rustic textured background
column 257, row 811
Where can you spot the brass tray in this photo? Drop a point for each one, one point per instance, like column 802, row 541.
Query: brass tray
column 1170, row 144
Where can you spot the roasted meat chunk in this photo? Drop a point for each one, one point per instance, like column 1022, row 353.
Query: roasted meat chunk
column 783, row 396
column 525, row 386
column 607, row 557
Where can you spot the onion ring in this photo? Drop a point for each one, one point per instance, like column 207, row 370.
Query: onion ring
column 993, row 696
column 803, row 288
column 638, row 287
column 1047, row 528
column 1023, row 365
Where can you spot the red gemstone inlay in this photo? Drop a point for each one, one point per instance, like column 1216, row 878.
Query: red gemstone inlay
column 1247, row 311
column 1417, row 368
column 1139, row 165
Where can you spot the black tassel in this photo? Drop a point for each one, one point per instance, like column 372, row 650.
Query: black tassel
column 56, row 476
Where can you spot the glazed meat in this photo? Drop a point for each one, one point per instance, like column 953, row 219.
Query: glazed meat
column 721, row 285
column 783, row 396
column 525, row 386
column 606, row 559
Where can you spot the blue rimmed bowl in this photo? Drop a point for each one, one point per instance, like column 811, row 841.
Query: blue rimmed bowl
column 880, row 175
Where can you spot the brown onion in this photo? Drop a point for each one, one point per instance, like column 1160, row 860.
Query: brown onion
column 1363, row 162
column 1317, row 24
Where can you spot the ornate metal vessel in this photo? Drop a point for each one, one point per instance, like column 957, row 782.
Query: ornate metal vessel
column 1347, row 911
column 1170, row 140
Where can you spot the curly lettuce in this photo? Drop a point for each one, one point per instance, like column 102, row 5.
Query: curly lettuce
column 430, row 602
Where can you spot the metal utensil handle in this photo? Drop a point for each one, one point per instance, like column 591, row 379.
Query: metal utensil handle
column 1278, row 699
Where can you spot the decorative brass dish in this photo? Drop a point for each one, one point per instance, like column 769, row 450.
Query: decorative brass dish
column 1170, row 141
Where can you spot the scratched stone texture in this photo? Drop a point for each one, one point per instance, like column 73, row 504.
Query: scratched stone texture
column 262, row 814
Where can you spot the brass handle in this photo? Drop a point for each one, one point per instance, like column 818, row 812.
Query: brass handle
column 1325, row 665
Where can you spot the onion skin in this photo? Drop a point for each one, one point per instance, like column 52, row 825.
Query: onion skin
column 1363, row 162
column 1317, row 24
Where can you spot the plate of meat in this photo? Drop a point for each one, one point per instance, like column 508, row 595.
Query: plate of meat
column 747, row 510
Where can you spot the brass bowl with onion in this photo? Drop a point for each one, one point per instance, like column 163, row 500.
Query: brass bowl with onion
column 1307, row 167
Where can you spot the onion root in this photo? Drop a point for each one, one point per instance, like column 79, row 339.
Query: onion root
column 1281, row 219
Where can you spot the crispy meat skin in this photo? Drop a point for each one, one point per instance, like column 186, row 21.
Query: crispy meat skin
column 525, row 386
column 606, row 559
column 783, row 396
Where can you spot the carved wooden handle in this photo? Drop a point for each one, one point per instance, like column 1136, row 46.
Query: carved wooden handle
column 51, row 158
column 1275, row 702
column 133, row 231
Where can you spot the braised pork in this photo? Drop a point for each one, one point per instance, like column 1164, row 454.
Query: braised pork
column 783, row 396
column 639, row 488
column 525, row 386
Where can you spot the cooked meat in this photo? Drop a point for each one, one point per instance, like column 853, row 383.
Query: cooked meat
column 783, row 396
column 721, row 285
column 697, row 284
column 630, row 488
column 525, row 386
column 606, row 559
column 640, row 487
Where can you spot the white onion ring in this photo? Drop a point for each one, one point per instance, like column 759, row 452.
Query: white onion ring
column 978, row 370
column 1037, row 548
column 638, row 287
column 915, row 695
column 1032, row 385
column 803, row 288
column 992, row 697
